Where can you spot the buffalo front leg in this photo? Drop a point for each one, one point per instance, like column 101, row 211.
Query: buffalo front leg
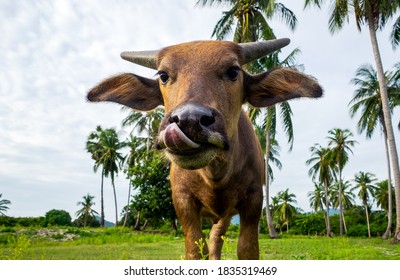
column 216, row 241
column 247, row 248
column 189, row 217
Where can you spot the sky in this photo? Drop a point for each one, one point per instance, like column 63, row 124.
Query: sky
column 53, row 52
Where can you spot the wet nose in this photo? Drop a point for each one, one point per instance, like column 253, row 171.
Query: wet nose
column 192, row 115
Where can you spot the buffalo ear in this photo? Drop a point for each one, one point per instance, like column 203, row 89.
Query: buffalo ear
column 280, row 84
column 130, row 90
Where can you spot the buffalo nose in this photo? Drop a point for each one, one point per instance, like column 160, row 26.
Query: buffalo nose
column 192, row 115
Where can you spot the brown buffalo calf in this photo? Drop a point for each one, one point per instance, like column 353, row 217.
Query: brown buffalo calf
column 217, row 166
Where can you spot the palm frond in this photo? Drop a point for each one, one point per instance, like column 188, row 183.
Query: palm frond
column 395, row 34
column 224, row 26
column 286, row 117
column 339, row 15
column 286, row 15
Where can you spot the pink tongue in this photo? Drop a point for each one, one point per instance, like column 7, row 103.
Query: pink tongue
column 175, row 139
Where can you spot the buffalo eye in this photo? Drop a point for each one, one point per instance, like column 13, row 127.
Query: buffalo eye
column 163, row 77
column 233, row 73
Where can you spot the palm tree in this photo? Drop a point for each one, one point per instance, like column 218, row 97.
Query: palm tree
column 145, row 122
column 341, row 147
column 137, row 150
column 268, row 118
column 273, row 152
column 375, row 14
column 367, row 99
column 104, row 146
column 3, row 205
column 250, row 18
column 86, row 210
column 317, row 197
column 384, row 196
column 323, row 167
column 112, row 160
column 366, row 188
column 347, row 198
column 94, row 147
column 285, row 208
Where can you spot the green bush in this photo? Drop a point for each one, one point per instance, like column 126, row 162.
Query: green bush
column 358, row 230
column 30, row 221
column 57, row 218
column 7, row 229
column 8, row 221
column 309, row 224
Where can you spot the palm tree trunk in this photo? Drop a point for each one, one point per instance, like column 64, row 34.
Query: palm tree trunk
column 127, row 205
column 115, row 201
column 388, row 122
column 388, row 232
column 102, row 199
column 366, row 214
column 271, row 229
column 328, row 223
column 145, row 224
column 340, row 203
column 344, row 223
column 137, row 224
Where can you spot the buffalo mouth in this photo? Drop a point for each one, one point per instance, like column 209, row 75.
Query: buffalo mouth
column 190, row 152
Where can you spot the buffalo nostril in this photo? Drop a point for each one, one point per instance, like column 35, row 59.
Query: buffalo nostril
column 207, row 120
column 173, row 119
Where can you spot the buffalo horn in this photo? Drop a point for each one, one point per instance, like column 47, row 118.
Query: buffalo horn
column 255, row 50
column 144, row 58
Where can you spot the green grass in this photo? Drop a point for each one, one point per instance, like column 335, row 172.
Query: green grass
column 123, row 244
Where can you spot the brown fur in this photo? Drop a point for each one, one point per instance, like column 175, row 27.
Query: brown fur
column 230, row 182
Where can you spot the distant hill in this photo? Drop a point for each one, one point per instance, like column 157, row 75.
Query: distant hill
column 106, row 223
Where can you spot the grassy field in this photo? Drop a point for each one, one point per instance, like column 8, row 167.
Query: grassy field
column 123, row 244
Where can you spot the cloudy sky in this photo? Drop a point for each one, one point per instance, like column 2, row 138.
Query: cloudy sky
column 52, row 52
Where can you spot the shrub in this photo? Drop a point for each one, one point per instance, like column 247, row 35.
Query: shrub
column 30, row 221
column 8, row 221
column 309, row 224
column 358, row 230
column 58, row 218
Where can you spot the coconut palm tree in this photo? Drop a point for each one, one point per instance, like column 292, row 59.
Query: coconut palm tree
column 323, row 168
column 3, row 205
column 367, row 100
column 374, row 14
column 112, row 160
column 365, row 184
column 317, row 197
column 248, row 19
column 95, row 148
column 138, row 149
column 86, row 211
column 145, row 122
column 347, row 198
column 341, row 144
column 104, row 146
column 269, row 117
column 285, row 208
column 273, row 151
